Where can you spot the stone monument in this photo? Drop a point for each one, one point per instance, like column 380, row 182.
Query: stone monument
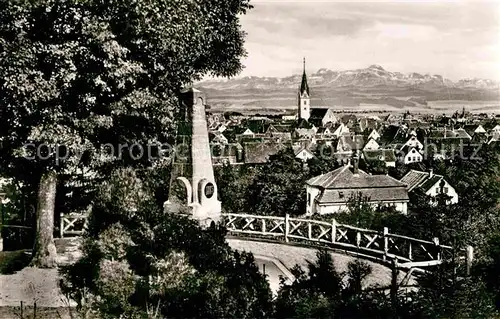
column 193, row 191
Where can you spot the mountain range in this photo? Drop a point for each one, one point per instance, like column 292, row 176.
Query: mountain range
column 374, row 75
column 351, row 88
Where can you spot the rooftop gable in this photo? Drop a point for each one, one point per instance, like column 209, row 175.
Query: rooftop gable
column 344, row 178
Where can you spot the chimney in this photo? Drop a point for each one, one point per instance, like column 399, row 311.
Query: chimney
column 355, row 164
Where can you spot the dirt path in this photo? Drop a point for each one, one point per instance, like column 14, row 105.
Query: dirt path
column 294, row 255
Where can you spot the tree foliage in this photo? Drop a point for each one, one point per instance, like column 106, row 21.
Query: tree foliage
column 137, row 258
column 279, row 186
column 324, row 292
column 79, row 76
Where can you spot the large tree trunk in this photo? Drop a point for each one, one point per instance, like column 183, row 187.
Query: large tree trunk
column 44, row 250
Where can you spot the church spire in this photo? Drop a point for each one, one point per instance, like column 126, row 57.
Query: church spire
column 304, row 87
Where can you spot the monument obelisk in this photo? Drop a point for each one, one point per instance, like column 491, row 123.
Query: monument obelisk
column 193, row 190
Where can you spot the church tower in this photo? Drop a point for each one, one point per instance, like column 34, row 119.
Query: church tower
column 193, row 191
column 304, row 98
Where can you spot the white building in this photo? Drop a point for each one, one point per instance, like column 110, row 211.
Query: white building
column 331, row 192
column 303, row 154
column 480, row 130
column 374, row 135
column 371, row 145
column 410, row 154
column 414, row 142
column 431, row 184
column 329, row 117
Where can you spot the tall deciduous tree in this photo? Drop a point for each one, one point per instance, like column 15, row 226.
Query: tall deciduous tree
column 279, row 187
column 75, row 75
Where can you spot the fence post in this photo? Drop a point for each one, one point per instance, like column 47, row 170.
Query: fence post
column 309, row 230
column 394, row 282
column 61, row 226
column 469, row 257
column 287, row 226
column 2, row 221
column 264, row 225
column 386, row 243
column 358, row 238
column 334, row 230
column 438, row 248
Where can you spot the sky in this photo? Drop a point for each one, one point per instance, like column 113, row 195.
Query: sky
column 456, row 39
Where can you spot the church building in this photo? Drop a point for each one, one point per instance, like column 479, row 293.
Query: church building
column 304, row 97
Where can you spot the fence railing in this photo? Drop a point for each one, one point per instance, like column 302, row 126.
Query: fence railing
column 407, row 251
column 72, row 224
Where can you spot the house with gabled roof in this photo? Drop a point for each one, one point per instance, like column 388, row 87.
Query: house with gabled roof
column 350, row 143
column 303, row 153
column 495, row 129
column 392, row 134
column 331, row 192
column 431, row 184
column 307, row 133
column 385, row 155
column 259, row 152
column 324, row 132
column 495, row 137
column 248, row 132
column 339, row 129
column 217, row 138
column 414, row 142
column 460, row 133
column 367, row 123
column 226, row 154
column 329, row 117
column 410, row 154
column 278, row 131
column 479, row 130
column 374, row 135
column 317, row 116
column 371, row 145
column 222, row 127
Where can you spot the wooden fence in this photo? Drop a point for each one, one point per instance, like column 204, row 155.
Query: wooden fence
column 408, row 252
column 72, row 224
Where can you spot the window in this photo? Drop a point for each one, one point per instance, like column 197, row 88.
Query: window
column 308, row 198
column 209, row 190
column 305, row 102
column 445, row 190
column 341, row 194
column 414, row 158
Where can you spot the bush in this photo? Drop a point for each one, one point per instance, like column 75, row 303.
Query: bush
column 138, row 260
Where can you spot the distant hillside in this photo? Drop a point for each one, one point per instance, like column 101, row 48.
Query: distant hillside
column 372, row 85
column 374, row 75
